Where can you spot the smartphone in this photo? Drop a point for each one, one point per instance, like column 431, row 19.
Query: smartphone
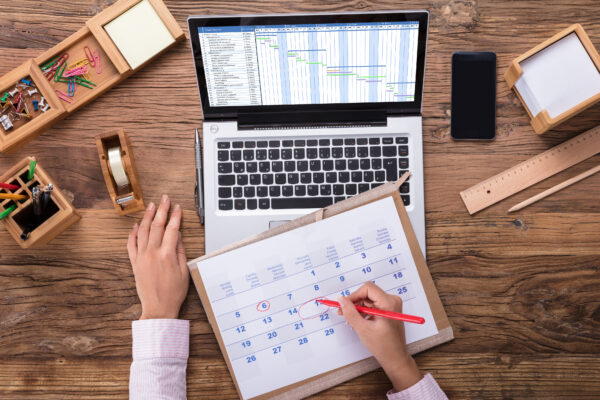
column 473, row 108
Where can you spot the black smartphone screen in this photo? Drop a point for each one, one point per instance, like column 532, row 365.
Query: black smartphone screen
column 473, row 113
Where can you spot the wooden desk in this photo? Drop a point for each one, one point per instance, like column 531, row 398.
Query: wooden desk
column 522, row 290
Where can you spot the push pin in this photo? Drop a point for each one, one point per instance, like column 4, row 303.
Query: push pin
column 42, row 102
column 14, row 92
column 45, row 108
column 6, row 94
column 25, row 81
column 32, row 92
column 35, row 105
column 6, row 122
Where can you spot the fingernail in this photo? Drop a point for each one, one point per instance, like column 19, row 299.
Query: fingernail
column 135, row 225
column 164, row 198
column 151, row 206
column 177, row 207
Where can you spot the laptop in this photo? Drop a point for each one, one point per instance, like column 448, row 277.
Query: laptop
column 305, row 110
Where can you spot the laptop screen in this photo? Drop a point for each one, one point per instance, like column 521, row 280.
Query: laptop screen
column 310, row 62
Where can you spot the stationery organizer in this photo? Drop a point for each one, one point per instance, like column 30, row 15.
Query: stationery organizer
column 120, row 174
column 18, row 215
column 113, row 45
column 557, row 79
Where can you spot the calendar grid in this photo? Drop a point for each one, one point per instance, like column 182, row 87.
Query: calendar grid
column 303, row 287
column 299, row 272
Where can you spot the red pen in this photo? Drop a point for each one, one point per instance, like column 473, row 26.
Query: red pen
column 8, row 186
column 374, row 311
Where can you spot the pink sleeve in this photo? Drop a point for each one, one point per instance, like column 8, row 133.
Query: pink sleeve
column 426, row 388
column 160, row 352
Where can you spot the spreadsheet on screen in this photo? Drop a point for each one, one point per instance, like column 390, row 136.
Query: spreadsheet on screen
column 310, row 63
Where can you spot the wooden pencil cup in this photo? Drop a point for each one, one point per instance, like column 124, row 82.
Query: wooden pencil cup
column 59, row 214
column 123, row 184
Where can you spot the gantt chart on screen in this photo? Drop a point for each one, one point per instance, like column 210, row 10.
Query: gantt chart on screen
column 310, row 64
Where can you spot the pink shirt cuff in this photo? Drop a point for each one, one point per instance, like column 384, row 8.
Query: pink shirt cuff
column 426, row 388
column 160, row 338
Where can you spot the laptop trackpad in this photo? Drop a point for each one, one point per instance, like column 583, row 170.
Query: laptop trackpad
column 273, row 224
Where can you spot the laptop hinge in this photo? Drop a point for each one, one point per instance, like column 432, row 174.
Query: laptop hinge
column 311, row 119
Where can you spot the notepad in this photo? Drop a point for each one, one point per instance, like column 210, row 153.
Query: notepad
column 139, row 34
column 558, row 78
column 263, row 295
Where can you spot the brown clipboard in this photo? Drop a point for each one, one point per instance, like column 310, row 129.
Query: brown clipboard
column 332, row 378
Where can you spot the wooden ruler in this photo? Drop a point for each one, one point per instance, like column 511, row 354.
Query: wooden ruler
column 532, row 171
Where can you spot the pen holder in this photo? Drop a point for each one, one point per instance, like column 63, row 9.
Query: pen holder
column 120, row 174
column 58, row 216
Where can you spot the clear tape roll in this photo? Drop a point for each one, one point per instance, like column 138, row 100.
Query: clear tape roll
column 116, row 167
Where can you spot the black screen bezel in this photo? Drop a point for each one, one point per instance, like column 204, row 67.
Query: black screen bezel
column 393, row 108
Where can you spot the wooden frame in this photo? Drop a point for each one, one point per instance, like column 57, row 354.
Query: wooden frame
column 114, row 70
column 134, row 190
column 63, row 217
column 542, row 122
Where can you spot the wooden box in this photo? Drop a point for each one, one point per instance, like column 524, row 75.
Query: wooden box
column 62, row 213
column 127, row 199
column 114, row 68
column 543, row 122
column 25, row 131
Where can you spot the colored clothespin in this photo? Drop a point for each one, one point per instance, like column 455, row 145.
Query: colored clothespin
column 89, row 55
column 35, row 105
column 97, row 61
column 25, row 81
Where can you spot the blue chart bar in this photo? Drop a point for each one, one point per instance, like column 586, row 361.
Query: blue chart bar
column 337, row 65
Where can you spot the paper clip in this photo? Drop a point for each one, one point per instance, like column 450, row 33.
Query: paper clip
column 76, row 71
column 59, row 72
column 63, row 96
column 89, row 56
column 71, row 87
column 97, row 61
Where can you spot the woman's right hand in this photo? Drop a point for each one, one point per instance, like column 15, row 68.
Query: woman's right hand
column 383, row 337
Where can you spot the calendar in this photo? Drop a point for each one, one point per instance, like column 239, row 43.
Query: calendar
column 263, row 295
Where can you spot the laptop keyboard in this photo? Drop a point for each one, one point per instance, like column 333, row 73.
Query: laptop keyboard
column 306, row 173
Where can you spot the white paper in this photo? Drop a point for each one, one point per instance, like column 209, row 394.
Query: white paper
column 139, row 34
column 558, row 78
column 263, row 295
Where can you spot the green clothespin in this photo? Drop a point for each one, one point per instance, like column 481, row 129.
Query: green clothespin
column 32, row 164
column 6, row 212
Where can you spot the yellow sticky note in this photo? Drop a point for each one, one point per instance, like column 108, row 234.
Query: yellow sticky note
column 139, row 34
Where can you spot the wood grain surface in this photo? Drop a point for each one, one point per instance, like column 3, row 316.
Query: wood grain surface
column 521, row 290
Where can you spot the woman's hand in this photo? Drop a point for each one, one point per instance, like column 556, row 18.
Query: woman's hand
column 383, row 337
column 159, row 263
